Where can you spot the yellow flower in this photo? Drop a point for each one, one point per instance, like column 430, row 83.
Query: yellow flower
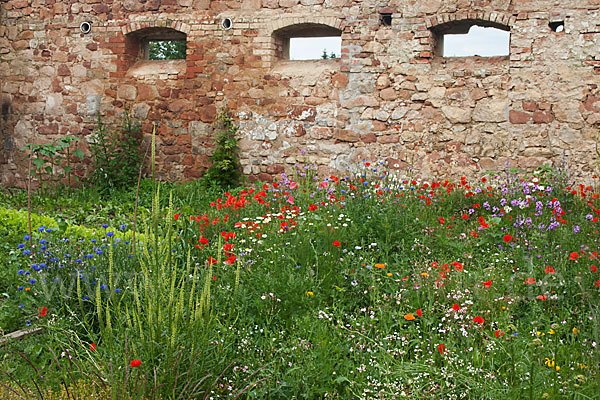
column 380, row 266
column 389, row 274
column 557, row 368
column 551, row 331
column 409, row 317
column 425, row 274
column 310, row 294
column 549, row 362
column 541, row 333
column 575, row 331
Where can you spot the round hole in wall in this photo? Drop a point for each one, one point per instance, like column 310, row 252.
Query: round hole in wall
column 85, row 27
column 227, row 23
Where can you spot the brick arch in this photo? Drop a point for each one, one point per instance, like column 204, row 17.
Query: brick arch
column 136, row 26
column 493, row 18
column 289, row 21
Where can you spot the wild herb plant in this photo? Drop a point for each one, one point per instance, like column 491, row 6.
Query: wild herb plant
column 116, row 154
column 225, row 170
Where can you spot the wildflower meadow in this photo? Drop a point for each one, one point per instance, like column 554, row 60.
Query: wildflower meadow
column 366, row 285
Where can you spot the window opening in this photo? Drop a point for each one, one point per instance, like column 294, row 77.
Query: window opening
column 315, row 48
column 474, row 40
column 308, row 42
column 166, row 49
column 385, row 19
column 557, row 26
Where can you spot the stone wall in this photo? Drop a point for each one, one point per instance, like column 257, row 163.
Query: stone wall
column 389, row 97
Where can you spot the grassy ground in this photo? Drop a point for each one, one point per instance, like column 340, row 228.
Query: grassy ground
column 367, row 286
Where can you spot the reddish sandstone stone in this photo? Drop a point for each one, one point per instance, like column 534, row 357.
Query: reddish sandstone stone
column 344, row 135
column 275, row 169
column 542, row 117
column 146, row 93
column 530, row 106
column 340, row 80
column 368, row 138
column 63, row 70
column 518, row 117
column 208, row 113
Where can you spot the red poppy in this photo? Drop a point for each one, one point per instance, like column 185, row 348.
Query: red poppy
column 457, row 266
column 573, row 256
column 230, row 260
column 442, row 221
column 498, row 333
column 336, row 243
column 442, row 348
column 93, row 347
column 456, row 307
column 530, row 281
column 203, row 240
column 507, row 238
column 420, row 312
column 487, row 284
column 211, row 260
column 542, row 297
column 549, row 269
column 594, row 269
column 42, row 311
column 478, row 319
column 136, row 363
column 176, row 216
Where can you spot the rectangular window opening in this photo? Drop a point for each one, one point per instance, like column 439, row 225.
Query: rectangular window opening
column 166, row 49
column 315, row 48
column 479, row 41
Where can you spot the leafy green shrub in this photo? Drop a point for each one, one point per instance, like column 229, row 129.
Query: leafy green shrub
column 47, row 157
column 116, row 154
column 225, row 170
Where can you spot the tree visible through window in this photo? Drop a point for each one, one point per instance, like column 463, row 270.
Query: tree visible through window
column 166, row 49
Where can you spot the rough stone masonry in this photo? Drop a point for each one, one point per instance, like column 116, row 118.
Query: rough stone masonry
column 391, row 96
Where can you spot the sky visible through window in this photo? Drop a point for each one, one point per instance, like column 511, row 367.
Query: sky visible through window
column 480, row 41
column 312, row 48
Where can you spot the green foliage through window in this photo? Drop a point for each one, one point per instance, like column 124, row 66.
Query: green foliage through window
column 166, row 50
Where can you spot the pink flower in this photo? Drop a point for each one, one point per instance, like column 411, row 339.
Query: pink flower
column 290, row 200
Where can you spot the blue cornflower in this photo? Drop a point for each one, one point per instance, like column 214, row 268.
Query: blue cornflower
column 26, row 237
column 27, row 273
column 21, row 306
column 93, row 240
column 20, row 272
column 28, row 323
column 20, row 288
column 32, row 281
column 102, row 287
column 27, row 251
column 123, row 227
column 35, row 267
column 88, row 256
column 105, row 226
column 42, row 265
column 85, row 298
column 99, row 252
column 48, row 230
column 21, row 245
column 43, row 241
column 109, row 234
column 79, row 260
column 41, row 228
column 117, row 290
column 43, row 247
